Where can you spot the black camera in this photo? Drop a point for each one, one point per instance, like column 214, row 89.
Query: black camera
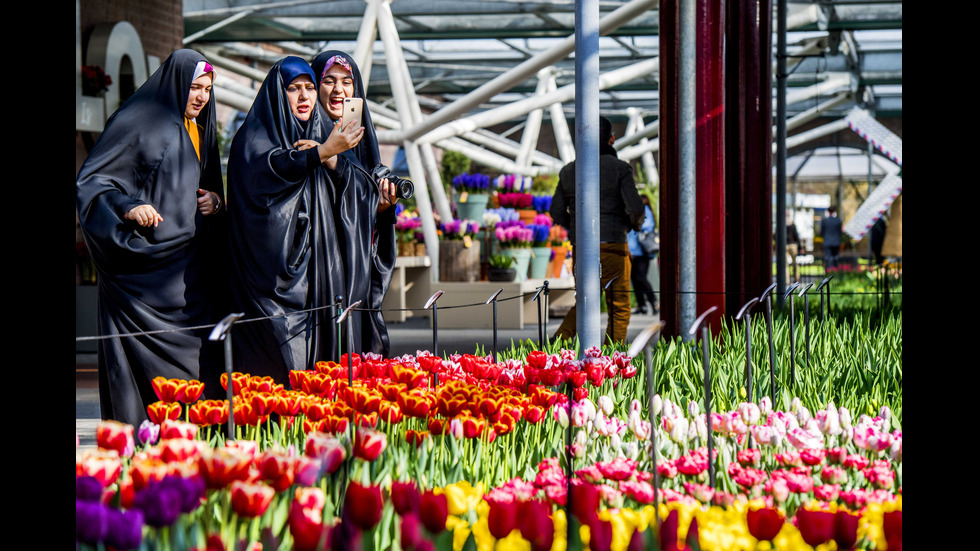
column 404, row 189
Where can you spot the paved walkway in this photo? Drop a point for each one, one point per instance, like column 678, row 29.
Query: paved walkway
column 406, row 338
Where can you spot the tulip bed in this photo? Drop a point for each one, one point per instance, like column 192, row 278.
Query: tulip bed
column 478, row 461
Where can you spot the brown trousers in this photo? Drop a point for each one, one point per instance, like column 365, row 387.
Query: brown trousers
column 615, row 262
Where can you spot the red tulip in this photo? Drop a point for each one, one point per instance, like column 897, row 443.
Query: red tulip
column 143, row 470
column 290, row 402
column 159, row 411
column 369, row 443
column 892, row 527
column 104, row 465
column 223, row 466
column 277, row 470
column 416, row 437
column 250, row 500
column 536, row 525
column 306, row 520
column 177, row 429
column 326, row 448
column 390, row 412
column 405, row 497
column 411, row 531
column 263, row 403
column 113, row 435
column 238, row 380
column 764, row 524
column 433, row 511
column 363, row 505
column 502, row 518
column 845, row 529
column 413, row 405
column 816, row 527
column 585, row 503
column 179, row 449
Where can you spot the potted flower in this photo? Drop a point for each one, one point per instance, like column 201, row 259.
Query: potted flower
column 514, row 191
column 560, row 247
column 473, row 190
column 540, row 247
column 514, row 239
column 459, row 252
column 500, row 268
column 405, row 229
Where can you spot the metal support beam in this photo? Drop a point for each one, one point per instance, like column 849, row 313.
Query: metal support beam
column 687, row 162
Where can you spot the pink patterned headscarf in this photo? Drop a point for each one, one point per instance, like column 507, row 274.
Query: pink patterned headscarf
column 202, row 68
column 336, row 60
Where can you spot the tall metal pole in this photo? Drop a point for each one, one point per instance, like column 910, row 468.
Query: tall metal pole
column 687, row 166
column 587, row 173
column 781, row 148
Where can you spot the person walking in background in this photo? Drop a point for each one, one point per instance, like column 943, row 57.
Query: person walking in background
column 644, row 247
column 792, row 248
column 620, row 209
column 830, row 229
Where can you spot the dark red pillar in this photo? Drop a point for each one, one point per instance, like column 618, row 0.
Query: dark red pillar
column 710, row 161
column 748, row 149
column 710, row 155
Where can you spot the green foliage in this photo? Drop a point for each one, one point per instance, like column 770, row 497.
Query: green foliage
column 501, row 261
column 544, row 184
column 453, row 164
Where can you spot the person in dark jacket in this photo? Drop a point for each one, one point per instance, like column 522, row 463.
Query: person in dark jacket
column 363, row 208
column 620, row 210
column 149, row 197
column 830, row 230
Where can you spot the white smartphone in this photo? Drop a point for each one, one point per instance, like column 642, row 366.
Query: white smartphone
column 352, row 112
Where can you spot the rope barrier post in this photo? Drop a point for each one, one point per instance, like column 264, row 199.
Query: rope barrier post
column 222, row 332
column 493, row 299
column 806, row 321
column 746, row 314
column 612, row 306
column 823, row 309
column 339, row 301
column 644, row 341
column 431, row 303
column 706, row 359
column 547, row 310
column 540, row 318
column 767, row 298
column 792, row 335
column 350, row 341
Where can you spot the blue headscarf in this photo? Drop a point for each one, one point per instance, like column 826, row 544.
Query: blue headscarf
column 292, row 67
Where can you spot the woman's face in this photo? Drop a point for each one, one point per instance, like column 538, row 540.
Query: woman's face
column 336, row 85
column 199, row 96
column 302, row 97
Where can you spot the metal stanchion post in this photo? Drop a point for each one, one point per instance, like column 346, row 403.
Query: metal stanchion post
column 350, row 341
column 644, row 341
column 806, row 319
column 493, row 299
column 222, row 332
column 767, row 298
column 537, row 295
column 431, row 303
column 339, row 301
column 746, row 314
column 706, row 360
column 792, row 334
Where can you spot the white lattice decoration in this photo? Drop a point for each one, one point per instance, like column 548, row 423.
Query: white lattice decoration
column 883, row 139
column 877, row 203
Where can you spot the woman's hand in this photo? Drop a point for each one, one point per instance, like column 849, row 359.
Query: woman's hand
column 208, row 202
column 388, row 196
column 144, row 215
column 341, row 139
column 303, row 145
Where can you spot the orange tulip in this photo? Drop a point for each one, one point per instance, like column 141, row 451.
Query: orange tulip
column 158, row 412
column 390, row 412
column 168, row 390
column 263, row 403
column 238, row 381
column 144, row 470
column 223, row 466
column 192, row 391
column 413, row 405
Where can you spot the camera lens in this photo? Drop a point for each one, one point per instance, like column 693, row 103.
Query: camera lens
column 406, row 189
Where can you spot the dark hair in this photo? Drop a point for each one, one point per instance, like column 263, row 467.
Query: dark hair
column 831, row 209
column 605, row 130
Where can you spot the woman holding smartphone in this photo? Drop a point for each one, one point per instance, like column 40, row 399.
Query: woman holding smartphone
column 282, row 244
column 364, row 213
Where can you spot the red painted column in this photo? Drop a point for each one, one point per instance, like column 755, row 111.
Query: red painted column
column 748, row 150
column 710, row 155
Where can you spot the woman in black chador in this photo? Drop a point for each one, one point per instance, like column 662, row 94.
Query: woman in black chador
column 284, row 251
column 364, row 208
column 147, row 196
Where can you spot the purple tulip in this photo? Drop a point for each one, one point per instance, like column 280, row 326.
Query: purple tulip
column 148, row 433
column 91, row 521
column 161, row 503
column 125, row 529
column 88, row 488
